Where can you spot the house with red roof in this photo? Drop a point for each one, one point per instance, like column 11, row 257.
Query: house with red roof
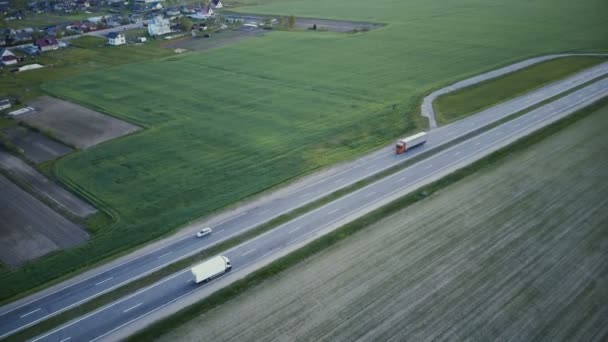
column 47, row 44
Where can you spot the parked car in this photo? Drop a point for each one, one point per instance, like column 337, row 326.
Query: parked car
column 204, row 232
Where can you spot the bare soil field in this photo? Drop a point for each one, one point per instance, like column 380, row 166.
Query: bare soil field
column 516, row 252
column 42, row 185
column 29, row 228
column 74, row 124
column 215, row 40
column 35, row 146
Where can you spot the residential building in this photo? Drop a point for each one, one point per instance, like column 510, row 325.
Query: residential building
column 159, row 26
column 47, row 44
column 5, row 104
column 7, row 57
column 115, row 38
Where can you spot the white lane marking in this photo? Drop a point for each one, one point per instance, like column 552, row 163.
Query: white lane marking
column 333, row 211
column 65, row 339
column 498, row 133
column 264, row 212
column 29, row 313
column 164, row 255
column 457, row 153
column 449, row 134
column 229, row 219
column 477, row 143
column 517, row 124
column 103, row 281
column 219, row 231
column 403, row 179
column 371, row 167
column 533, row 117
column 338, row 180
column 370, row 194
column 296, row 228
column 428, row 166
column 131, row 308
column 249, row 252
column 189, row 281
column 303, row 195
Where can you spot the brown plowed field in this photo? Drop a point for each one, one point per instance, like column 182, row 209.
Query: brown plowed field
column 29, row 228
column 74, row 124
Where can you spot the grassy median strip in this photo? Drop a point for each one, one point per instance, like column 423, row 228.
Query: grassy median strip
column 453, row 106
column 331, row 239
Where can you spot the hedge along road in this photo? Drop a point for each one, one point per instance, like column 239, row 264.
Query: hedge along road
column 254, row 253
column 426, row 109
column 24, row 313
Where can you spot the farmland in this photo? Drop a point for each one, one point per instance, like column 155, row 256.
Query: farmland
column 515, row 251
column 228, row 123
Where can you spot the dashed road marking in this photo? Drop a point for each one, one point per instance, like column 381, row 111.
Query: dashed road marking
column 131, row 308
column 103, row 281
column 29, row 313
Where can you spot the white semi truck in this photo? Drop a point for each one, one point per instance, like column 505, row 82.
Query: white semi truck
column 405, row 144
column 211, row 268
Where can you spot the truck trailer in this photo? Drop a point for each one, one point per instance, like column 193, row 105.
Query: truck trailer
column 211, row 268
column 406, row 144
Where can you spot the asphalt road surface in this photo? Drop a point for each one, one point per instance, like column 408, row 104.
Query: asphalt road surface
column 16, row 317
column 116, row 315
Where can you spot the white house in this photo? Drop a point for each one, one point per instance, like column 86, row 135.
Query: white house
column 115, row 38
column 217, row 3
column 204, row 13
column 7, row 57
column 159, row 26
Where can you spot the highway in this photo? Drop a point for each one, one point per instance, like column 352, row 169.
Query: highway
column 17, row 317
column 306, row 227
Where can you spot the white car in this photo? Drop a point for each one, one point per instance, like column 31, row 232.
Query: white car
column 204, row 232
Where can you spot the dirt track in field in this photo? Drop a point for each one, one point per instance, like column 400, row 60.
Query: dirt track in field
column 45, row 187
column 74, row 124
column 35, row 146
column 519, row 252
column 29, row 228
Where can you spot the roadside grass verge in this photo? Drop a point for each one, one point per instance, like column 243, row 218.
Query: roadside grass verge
column 347, row 230
column 453, row 106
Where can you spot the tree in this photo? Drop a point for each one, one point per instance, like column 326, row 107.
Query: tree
column 291, row 22
column 185, row 23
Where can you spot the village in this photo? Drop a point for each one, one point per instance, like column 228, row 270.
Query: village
column 106, row 19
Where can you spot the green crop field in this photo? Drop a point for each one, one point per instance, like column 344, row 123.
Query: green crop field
column 228, row 123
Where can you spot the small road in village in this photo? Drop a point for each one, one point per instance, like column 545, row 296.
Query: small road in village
column 28, row 311
column 179, row 289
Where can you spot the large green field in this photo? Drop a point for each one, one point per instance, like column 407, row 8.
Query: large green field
column 228, row 123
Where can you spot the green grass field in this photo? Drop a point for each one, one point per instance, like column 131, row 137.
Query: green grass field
column 453, row 106
column 231, row 122
column 87, row 54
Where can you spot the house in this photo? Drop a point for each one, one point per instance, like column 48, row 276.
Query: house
column 115, row 38
column 7, row 57
column 216, row 4
column 5, row 104
column 159, row 26
column 47, row 44
column 142, row 39
column 204, row 13
column 148, row 1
